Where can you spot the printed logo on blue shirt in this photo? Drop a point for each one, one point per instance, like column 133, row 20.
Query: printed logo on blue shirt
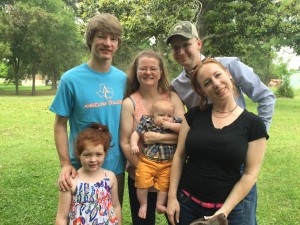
column 105, row 93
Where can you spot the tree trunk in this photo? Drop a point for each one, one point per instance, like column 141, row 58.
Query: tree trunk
column 16, row 66
column 54, row 78
column 33, row 71
column 33, row 84
column 17, row 83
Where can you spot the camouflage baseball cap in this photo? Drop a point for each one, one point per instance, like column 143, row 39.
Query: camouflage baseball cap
column 183, row 28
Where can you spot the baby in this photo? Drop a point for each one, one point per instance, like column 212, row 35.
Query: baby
column 154, row 165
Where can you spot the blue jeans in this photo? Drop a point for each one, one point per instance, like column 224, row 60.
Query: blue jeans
column 250, row 204
column 190, row 211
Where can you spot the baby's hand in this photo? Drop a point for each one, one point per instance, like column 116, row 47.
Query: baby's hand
column 166, row 125
column 135, row 149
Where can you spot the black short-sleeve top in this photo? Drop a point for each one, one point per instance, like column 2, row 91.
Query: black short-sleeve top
column 215, row 156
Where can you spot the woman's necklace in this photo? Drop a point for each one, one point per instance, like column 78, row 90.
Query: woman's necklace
column 229, row 112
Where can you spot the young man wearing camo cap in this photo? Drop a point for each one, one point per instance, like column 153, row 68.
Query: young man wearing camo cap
column 186, row 45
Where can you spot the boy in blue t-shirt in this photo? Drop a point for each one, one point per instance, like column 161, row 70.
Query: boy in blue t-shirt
column 89, row 93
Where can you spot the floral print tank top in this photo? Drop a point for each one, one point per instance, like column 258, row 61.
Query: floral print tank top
column 92, row 204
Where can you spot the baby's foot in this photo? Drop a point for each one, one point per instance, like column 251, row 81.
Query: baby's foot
column 143, row 211
column 161, row 209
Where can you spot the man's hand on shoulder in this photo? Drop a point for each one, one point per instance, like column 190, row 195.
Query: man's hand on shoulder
column 64, row 180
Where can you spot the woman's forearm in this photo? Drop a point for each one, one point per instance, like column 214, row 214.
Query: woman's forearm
column 155, row 137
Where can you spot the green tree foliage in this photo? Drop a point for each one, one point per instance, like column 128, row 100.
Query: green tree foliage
column 280, row 71
column 42, row 37
column 285, row 89
column 249, row 29
column 289, row 29
column 141, row 20
column 3, row 70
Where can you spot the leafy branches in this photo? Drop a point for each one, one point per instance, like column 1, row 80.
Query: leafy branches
column 51, row 32
column 41, row 37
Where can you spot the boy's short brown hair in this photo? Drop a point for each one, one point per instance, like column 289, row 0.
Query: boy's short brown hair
column 105, row 22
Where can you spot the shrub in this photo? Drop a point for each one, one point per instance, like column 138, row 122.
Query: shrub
column 285, row 89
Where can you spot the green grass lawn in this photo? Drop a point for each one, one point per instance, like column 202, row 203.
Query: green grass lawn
column 29, row 164
column 10, row 90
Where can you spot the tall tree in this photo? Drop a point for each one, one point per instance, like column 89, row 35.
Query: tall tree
column 231, row 27
column 41, row 35
column 249, row 29
column 15, row 32
column 141, row 21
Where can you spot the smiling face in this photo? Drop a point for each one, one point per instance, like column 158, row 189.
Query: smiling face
column 148, row 71
column 104, row 46
column 186, row 51
column 92, row 157
column 214, row 81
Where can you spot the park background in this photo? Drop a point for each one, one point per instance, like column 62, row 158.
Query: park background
column 40, row 39
column 29, row 165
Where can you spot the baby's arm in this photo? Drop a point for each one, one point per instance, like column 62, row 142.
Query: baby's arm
column 65, row 198
column 134, row 139
column 115, row 196
column 175, row 127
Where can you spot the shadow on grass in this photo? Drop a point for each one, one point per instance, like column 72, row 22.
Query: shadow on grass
column 10, row 90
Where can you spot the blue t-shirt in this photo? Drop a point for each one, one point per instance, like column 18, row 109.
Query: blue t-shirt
column 85, row 97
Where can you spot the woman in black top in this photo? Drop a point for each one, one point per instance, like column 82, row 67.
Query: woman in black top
column 215, row 140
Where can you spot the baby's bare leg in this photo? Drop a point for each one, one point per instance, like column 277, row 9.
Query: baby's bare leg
column 161, row 202
column 142, row 195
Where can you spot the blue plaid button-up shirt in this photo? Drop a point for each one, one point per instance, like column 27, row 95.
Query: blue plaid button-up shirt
column 156, row 152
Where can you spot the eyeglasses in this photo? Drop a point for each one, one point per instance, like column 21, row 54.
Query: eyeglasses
column 152, row 69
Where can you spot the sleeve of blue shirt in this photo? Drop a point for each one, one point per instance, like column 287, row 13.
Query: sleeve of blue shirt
column 63, row 101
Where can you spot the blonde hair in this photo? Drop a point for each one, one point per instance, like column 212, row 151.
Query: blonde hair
column 162, row 102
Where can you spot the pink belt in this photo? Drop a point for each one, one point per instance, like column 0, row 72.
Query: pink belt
column 203, row 204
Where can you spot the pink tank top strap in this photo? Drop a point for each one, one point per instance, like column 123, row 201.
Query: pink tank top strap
column 139, row 109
